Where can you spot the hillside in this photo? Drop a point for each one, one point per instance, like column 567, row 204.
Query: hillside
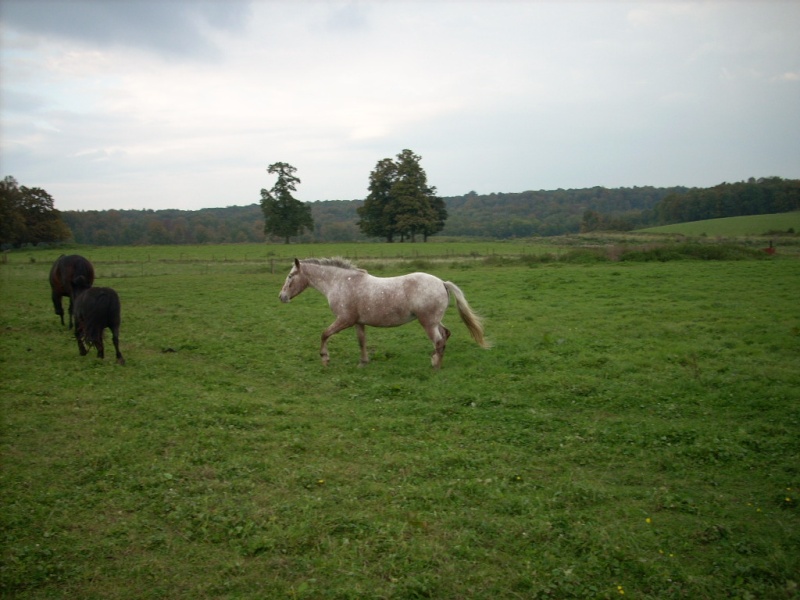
column 735, row 226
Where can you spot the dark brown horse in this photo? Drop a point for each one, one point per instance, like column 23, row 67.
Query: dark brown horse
column 70, row 274
column 96, row 309
column 359, row 299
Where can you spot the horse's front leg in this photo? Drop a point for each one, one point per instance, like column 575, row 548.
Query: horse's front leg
column 361, row 332
column 337, row 326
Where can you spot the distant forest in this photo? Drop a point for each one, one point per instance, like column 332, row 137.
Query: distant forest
column 497, row 215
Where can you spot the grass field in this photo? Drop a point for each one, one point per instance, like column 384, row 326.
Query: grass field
column 263, row 253
column 734, row 226
column 634, row 432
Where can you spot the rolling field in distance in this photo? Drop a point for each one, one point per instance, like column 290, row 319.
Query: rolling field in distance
column 632, row 433
column 734, row 226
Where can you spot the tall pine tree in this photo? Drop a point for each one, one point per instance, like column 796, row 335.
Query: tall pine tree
column 284, row 216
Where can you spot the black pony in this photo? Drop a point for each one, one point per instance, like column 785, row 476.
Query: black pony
column 69, row 275
column 96, row 309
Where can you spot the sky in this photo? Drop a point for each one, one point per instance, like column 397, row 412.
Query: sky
column 155, row 104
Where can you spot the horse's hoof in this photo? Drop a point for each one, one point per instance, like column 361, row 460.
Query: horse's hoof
column 120, row 361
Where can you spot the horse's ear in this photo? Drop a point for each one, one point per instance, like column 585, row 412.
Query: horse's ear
column 297, row 263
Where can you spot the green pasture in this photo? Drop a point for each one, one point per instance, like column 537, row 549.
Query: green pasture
column 735, row 226
column 284, row 253
column 634, row 432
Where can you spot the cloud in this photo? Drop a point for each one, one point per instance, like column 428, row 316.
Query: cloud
column 789, row 76
column 348, row 18
column 173, row 28
column 650, row 15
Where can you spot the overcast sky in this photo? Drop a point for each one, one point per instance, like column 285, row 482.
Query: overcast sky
column 184, row 104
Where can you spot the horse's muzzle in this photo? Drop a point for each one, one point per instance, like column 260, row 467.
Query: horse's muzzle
column 284, row 297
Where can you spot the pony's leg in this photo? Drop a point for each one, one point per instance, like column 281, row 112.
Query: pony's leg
column 79, row 337
column 115, row 339
column 337, row 326
column 99, row 344
column 361, row 332
column 69, row 310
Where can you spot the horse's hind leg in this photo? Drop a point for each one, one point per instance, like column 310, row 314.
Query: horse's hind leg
column 115, row 339
column 101, row 351
column 362, row 343
column 442, row 343
column 438, row 334
column 59, row 308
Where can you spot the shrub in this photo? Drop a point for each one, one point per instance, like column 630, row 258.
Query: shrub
column 692, row 251
column 585, row 256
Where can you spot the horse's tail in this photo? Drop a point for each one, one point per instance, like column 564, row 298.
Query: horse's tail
column 470, row 318
column 79, row 284
column 82, row 273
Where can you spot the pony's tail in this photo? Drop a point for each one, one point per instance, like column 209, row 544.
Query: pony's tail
column 470, row 318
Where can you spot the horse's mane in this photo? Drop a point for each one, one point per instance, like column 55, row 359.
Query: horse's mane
column 336, row 261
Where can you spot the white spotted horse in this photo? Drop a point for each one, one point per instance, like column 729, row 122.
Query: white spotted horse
column 358, row 299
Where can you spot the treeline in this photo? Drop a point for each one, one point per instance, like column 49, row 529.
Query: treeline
column 498, row 215
column 547, row 213
column 335, row 220
column 767, row 195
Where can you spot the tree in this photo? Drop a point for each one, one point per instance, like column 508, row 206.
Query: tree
column 438, row 217
column 400, row 202
column 284, row 216
column 12, row 224
column 376, row 215
column 592, row 221
column 157, row 233
column 415, row 212
column 28, row 216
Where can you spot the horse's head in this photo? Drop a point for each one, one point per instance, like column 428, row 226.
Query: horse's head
column 296, row 282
